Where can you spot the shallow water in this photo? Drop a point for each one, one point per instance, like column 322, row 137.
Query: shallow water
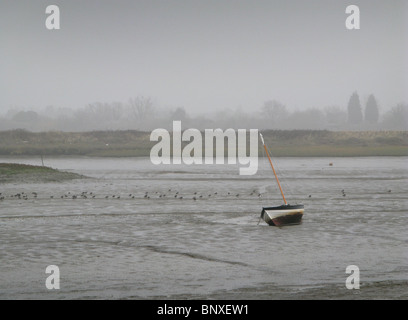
column 214, row 247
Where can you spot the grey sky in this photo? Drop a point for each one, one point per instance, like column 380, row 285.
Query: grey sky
column 202, row 54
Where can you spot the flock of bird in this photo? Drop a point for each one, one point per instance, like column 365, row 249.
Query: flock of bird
column 146, row 195
column 169, row 194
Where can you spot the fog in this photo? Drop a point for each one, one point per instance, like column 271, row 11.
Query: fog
column 143, row 114
column 139, row 64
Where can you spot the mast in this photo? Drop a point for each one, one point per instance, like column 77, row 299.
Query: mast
column 273, row 169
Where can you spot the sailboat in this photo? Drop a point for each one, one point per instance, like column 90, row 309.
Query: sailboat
column 285, row 214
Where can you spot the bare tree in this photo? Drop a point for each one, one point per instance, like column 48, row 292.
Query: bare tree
column 141, row 108
column 274, row 111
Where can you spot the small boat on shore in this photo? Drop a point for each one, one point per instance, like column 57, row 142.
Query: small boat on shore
column 285, row 214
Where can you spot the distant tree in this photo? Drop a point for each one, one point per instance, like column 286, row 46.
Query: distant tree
column 104, row 111
column 397, row 118
column 142, row 108
column 26, row 116
column 274, row 111
column 310, row 119
column 371, row 113
column 179, row 114
column 335, row 117
column 355, row 115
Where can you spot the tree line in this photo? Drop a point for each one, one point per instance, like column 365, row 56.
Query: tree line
column 142, row 113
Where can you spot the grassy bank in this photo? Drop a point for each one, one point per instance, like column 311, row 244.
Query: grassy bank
column 13, row 172
column 135, row 143
column 337, row 144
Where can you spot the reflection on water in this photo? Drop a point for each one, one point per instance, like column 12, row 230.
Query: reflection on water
column 139, row 231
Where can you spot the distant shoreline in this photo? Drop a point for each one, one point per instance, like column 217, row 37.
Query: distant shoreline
column 132, row 143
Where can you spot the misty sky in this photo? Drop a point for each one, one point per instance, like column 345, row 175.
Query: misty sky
column 202, row 54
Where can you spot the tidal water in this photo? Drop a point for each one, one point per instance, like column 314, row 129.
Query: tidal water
column 135, row 230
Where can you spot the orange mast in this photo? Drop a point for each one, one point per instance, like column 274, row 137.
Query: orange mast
column 270, row 161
